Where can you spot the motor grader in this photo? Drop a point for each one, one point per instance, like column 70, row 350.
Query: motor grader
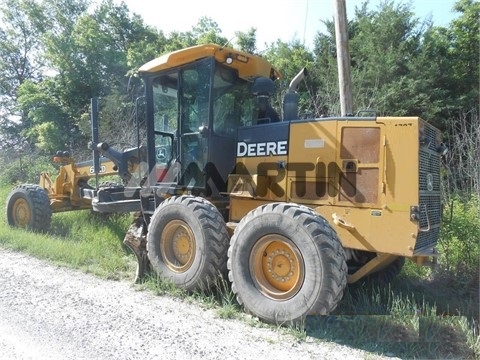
column 289, row 207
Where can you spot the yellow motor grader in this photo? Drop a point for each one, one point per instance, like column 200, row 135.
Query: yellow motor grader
column 289, row 207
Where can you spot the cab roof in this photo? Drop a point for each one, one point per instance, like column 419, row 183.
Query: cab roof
column 248, row 66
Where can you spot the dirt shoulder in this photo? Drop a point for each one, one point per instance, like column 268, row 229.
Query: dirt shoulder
column 49, row 312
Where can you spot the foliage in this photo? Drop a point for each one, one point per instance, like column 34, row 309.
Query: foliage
column 207, row 32
column 461, row 161
column 290, row 59
column 389, row 321
column 19, row 62
column 88, row 54
column 26, row 170
column 460, row 237
column 464, row 36
column 247, row 41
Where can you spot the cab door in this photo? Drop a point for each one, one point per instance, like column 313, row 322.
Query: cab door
column 194, row 122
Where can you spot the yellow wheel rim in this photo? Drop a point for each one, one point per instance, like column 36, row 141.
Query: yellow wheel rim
column 21, row 213
column 177, row 246
column 277, row 267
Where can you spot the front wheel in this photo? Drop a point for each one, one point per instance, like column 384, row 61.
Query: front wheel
column 28, row 206
column 187, row 242
column 286, row 262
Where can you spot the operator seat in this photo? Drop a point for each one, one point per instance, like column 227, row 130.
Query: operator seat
column 263, row 88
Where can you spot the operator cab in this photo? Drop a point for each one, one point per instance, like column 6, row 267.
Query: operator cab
column 194, row 108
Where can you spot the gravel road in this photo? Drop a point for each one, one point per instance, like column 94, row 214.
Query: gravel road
column 49, row 312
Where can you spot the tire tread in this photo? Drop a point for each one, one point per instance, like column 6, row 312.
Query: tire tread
column 41, row 211
column 215, row 231
column 319, row 229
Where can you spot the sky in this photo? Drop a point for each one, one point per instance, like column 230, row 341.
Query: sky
column 274, row 19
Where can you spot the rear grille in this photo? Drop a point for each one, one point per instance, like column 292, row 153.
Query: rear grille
column 430, row 211
column 430, row 137
column 429, row 164
column 430, row 207
column 426, row 240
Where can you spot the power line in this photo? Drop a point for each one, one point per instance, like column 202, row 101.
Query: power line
column 305, row 23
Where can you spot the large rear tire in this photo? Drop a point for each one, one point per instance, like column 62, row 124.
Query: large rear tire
column 285, row 262
column 187, row 242
column 28, row 207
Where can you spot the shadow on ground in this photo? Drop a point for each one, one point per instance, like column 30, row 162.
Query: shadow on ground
column 391, row 321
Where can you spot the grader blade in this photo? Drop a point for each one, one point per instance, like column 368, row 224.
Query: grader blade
column 135, row 240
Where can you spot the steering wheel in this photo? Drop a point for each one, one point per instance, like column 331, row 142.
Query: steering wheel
column 161, row 154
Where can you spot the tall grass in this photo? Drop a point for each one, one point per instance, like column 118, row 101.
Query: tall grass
column 398, row 320
column 77, row 239
column 427, row 312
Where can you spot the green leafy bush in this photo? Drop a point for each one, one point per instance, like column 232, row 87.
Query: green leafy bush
column 460, row 236
column 26, row 169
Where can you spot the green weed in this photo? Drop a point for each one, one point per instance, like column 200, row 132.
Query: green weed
column 460, row 237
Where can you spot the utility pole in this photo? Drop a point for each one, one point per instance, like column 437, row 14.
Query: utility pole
column 343, row 57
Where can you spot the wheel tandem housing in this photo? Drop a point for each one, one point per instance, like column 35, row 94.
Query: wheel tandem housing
column 285, row 262
column 187, row 242
column 382, row 276
column 28, row 206
column 389, row 273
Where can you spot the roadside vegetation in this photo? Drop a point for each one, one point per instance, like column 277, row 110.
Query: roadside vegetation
column 78, row 239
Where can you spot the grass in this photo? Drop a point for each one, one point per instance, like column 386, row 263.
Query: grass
column 424, row 313
column 399, row 320
column 77, row 239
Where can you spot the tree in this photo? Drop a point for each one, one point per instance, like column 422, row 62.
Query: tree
column 384, row 50
column 247, row 41
column 289, row 59
column 19, row 62
column 323, row 77
column 464, row 50
column 46, row 117
column 207, row 31
column 91, row 54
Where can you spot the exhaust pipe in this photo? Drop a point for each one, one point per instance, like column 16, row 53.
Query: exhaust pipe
column 290, row 101
column 297, row 79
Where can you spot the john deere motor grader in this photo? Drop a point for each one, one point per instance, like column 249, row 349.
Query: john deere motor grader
column 291, row 208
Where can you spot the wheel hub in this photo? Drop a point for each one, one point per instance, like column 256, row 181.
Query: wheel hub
column 182, row 246
column 177, row 246
column 21, row 213
column 280, row 265
column 277, row 267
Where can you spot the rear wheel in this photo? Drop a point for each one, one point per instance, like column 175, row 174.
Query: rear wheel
column 187, row 242
column 286, row 262
column 28, row 206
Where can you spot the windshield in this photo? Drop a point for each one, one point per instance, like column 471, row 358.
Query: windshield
column 233, row 102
